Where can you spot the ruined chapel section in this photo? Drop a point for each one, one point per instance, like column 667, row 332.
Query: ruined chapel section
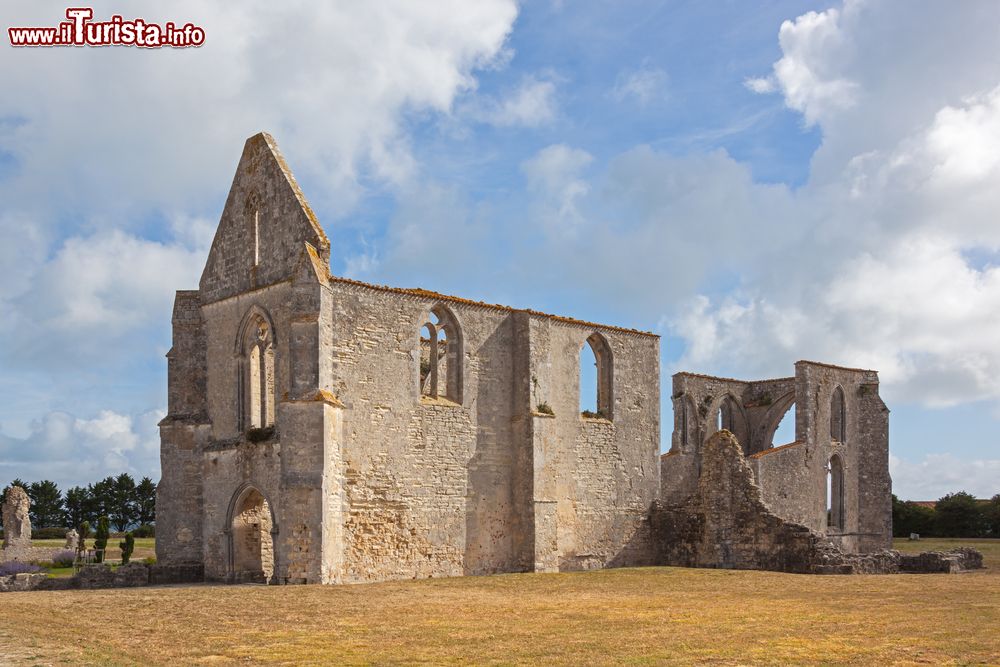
column 326, row 430
column 833, row 477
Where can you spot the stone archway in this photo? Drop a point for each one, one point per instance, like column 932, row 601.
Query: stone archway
column 251, row 538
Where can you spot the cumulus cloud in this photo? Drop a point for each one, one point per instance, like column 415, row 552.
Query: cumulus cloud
column 336, row 100
column 75, row 451
column 884, row 278
column 115, row 162
column 89, row 301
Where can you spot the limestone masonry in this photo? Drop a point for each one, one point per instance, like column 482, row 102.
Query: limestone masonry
column 324, row 430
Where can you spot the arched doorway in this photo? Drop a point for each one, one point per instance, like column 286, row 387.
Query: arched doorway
column 251, row 541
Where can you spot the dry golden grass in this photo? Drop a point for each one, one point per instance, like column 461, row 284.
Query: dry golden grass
column 633, row 616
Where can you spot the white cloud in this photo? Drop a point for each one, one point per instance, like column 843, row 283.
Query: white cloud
column 643, row 85
column 531, row 104
column 939, row 474
column 555, row 174
column 88, row 302
column 882, row 276
column 115, row 161
column 808, row 84
column 74, row 451
column 335, row 101
column 761, row 85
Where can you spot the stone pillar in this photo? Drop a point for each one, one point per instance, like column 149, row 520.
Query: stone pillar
column 183, row 434
column 16, row 524
column 310, row 546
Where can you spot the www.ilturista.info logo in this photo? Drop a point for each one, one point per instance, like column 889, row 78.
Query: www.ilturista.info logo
column 79, row 30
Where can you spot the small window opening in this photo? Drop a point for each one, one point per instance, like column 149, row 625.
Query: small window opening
column 835, row 505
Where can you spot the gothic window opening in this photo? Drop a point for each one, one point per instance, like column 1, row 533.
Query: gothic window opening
column 596, row 378
column 784, row 431
column 257, row 399
column 838, row 416
column 441, row 356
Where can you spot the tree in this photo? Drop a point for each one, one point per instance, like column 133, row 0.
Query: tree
column 959, row 515
column 101, row 499
column 127, row 546
column 992, row 513
column 909, row 517
column 76, row 505
column 81, row 546
column 46, row 505
column 101, row 538
column 145, row 493
column 124, row 506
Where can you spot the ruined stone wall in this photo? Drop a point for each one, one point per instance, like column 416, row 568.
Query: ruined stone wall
column 183, row 433
column 229, row 469
column 793, row 478
column 865, row 452
column 787, row 481
column 265, row 221
column 428, row 481
column 751, row 411
column 726, row 524
column 367, row 479
column 594, row 478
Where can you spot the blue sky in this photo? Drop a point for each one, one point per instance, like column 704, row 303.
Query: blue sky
column 756, row 182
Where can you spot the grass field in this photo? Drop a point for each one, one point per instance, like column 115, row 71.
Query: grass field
column 636, row 616
column 144, row 547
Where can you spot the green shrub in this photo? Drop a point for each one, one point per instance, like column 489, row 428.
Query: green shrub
column 101, row 538
column 84, row 532
column 127, row 546
column 64, row 558
column 48, row 533
column 545, row 409
column 145, row 530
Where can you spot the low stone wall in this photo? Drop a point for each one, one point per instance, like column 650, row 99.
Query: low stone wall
column 21, row 582
column 28, row 554
column 726, row 524
column 193, row 573
column 92, row 577
column 958, row 560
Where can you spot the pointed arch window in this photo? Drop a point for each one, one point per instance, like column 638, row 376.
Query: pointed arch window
column 441, row 356
column 256, row 381
column 838, row 416
column 600, row 396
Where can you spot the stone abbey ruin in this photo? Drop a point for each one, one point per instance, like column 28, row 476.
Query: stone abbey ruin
column 325, row 430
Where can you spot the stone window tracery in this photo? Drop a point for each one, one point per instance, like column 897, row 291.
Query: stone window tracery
column 441, row 356
column 257, row 380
